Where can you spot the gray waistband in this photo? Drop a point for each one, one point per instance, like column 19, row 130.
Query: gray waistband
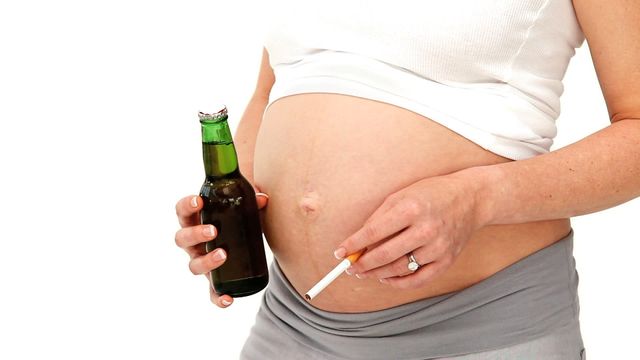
column 527, row 300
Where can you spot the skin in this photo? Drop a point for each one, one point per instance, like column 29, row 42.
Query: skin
column 439, row 213
column 314, row 208
column 596, row 173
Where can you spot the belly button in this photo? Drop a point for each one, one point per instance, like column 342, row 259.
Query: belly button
column 309, row 204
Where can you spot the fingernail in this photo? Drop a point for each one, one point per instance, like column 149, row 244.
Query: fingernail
column 194, row 201
column 340, row 253
column 262, row 194
column 225, row 302
column 209, row 230
column 349, row 270
column 384, row 281
column 219, row 255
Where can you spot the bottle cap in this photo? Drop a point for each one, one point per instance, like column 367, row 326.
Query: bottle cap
column 214, row 117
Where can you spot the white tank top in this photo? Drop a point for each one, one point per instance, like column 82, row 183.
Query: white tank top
column 490, row 70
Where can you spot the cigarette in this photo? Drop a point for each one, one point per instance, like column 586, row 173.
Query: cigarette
column 332, row 275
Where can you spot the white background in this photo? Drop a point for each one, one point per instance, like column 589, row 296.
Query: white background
column 99, row 139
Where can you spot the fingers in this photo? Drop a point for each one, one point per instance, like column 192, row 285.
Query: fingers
column 419, row 278
column 207, row 262
column 187, row 210
column 399, row 267
column 202, row 265
column 194, row 235
column 396, row 268
column 376, row 228
column 222, row 301
column 188, row 207
column 388, row 252
column 431, row 266
column 262, row 199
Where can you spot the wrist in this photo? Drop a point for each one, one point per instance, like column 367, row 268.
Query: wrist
column 484, row 184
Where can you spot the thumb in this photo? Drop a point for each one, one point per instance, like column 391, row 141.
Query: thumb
column 262, row 199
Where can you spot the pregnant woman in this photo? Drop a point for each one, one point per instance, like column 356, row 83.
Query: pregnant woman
column 421, row 134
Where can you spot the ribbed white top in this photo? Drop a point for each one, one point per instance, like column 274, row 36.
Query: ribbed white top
column 489, row 70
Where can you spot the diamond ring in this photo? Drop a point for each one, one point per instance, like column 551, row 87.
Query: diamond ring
column 413, row 264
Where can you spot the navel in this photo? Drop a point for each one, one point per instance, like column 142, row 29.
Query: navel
column 309, row 203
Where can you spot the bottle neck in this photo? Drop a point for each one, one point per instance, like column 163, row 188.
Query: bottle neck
column 218, row 152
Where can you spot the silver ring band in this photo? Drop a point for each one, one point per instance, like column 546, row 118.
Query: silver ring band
column 413, row 263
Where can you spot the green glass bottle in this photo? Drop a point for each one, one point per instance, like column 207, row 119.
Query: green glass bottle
column 230, row 205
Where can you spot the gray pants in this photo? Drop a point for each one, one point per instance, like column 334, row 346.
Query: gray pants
column 528, row 310
column 563, row 345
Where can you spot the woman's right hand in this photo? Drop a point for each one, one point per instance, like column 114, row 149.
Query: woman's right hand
column 192, row 238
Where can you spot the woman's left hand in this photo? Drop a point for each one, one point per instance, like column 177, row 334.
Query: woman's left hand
column 432, row 218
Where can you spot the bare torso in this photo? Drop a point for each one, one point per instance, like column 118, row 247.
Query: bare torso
column 328, row 161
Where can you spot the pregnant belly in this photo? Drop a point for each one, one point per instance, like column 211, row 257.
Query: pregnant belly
column 328, row 161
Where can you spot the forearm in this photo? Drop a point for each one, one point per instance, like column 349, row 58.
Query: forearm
column 246, row 133
column 596, row 173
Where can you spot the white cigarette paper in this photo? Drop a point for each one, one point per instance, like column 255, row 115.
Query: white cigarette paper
column 328, row 279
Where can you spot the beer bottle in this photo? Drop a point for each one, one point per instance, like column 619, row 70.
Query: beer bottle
column 230, row 205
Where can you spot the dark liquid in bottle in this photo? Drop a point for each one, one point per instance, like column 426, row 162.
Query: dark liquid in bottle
column 230, row 206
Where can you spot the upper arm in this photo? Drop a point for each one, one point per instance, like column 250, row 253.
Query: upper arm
column 266, row 78
column 612, row 30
